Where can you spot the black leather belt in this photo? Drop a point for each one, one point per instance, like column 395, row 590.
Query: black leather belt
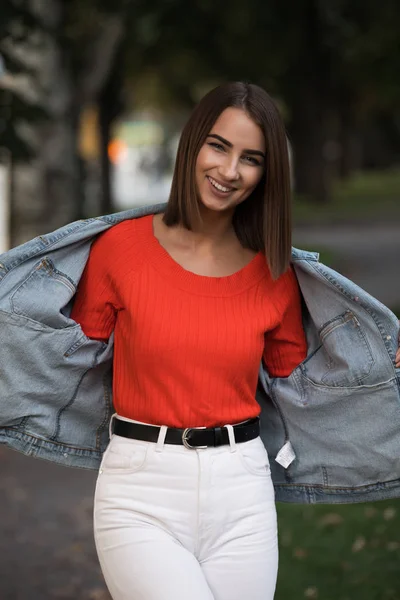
column 192, row 437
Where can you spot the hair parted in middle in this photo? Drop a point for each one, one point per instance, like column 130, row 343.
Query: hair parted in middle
column 263, row 221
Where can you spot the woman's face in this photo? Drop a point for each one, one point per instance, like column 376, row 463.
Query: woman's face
column 231, row 162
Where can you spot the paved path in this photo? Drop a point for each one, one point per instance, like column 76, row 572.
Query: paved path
column 370, row 256
column 46, row 544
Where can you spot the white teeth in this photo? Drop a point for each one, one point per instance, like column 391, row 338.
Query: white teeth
column 219, row 187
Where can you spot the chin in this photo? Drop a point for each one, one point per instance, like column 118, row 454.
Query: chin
column 217, row 205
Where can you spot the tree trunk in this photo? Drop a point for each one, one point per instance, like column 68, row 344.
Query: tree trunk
column 11, row 194
column 308, row 91
column 106, row 200
column 110, row 106
column 348, row 137
column 49, row 190
column 309, row 135
column 46, row 190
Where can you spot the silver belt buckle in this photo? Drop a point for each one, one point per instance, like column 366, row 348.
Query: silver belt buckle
column 185, row 438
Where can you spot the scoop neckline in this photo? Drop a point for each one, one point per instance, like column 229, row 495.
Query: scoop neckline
column 249, row 275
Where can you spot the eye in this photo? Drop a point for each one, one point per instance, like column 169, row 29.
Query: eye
column 252, row 160
column 217, row 146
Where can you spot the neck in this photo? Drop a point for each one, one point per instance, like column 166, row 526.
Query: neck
column 215, row 229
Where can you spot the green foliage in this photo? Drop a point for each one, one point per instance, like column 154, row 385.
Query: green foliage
column 349, row 45
column 396, row 311
column 339, row 552
column 17, row 24
column 15, row 110
column 344, row 56
column 365, row 197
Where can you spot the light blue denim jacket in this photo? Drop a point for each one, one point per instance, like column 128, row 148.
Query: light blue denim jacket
column 339, row 409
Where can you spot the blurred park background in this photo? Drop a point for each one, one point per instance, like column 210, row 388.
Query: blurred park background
column 93, row 96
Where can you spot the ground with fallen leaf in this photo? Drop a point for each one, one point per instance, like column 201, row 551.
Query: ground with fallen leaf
column 47, row 550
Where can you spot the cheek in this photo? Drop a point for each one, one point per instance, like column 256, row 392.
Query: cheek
column 205, row 160
column 254, row 179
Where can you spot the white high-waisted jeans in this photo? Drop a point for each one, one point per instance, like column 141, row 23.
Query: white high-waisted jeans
column 172, row 523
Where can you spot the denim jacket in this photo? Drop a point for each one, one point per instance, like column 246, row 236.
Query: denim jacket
column 332, row 428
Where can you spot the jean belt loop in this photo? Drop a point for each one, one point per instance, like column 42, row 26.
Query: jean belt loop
column 231, row 436
column 110, row 433
column 161, row 438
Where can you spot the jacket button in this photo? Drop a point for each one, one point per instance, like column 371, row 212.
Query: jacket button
column 388, row 337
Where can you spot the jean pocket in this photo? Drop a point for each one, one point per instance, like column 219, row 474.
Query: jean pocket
column 43, row 294
column 254, row 457
column 124, row 456
column 333, row 364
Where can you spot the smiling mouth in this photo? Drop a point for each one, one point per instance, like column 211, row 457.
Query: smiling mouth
column 218, row 186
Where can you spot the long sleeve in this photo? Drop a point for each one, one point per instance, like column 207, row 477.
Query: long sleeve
column 286, row 345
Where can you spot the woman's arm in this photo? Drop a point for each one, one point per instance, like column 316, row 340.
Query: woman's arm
column 96, row 305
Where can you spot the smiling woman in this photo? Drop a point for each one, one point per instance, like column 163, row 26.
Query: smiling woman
column 196, row 307
column 197, row 295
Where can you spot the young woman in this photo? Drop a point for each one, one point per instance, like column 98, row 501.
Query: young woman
column 196, row 297
column 203, row 292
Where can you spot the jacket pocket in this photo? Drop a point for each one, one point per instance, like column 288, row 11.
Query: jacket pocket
column 46, row 374
column 344, row 358
column 43, row 294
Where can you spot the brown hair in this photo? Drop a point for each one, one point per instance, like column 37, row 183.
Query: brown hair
column 263, row 222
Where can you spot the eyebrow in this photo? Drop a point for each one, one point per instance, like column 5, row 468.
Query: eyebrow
column 230, row 145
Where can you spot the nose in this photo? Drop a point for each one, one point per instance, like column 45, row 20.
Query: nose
column 229, row 169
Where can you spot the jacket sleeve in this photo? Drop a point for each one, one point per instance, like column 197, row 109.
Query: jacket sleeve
column 285, row 345
column 96, row 304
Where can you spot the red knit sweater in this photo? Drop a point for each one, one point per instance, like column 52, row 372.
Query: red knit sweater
column 187, row 347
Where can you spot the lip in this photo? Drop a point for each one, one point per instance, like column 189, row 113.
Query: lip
column 219, row 192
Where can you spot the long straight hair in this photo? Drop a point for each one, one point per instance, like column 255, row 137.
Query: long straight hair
column 263, row 221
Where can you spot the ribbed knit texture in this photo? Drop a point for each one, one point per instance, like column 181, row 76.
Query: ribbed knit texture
column 187, row 347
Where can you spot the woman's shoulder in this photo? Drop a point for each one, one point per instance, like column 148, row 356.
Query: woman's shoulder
column 121, row 244
column 126, row 229
column 123, row 235
column 282, row 289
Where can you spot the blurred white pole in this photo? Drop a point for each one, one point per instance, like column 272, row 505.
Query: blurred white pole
column 5, row 175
